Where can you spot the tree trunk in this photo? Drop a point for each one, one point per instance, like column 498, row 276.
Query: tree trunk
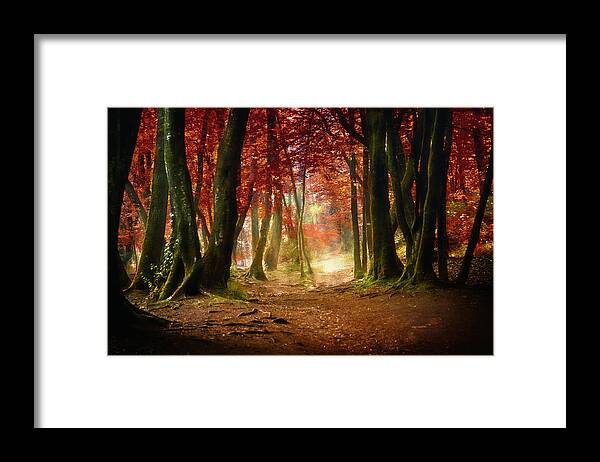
column 154, row 238
column 187, row 245
column 394, row 151
column 367, row 230
column 304, row 257
column 214, row 268
column 123, row 125
column 199, row 181
column 474, row 237
column 272, row 252
column 358, row 270
column 423, row 270
column 442, row 232
column 385, row 263
column 255, row 222
column 204, row 229
column 139, row 207
column 256, row 267
column 244, row 211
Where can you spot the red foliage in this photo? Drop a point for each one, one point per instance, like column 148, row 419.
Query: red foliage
column 313, row 144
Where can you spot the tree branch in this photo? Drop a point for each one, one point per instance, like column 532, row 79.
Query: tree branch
column 349, row 128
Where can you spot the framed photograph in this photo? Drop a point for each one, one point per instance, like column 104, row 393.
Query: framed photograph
column 267, row 215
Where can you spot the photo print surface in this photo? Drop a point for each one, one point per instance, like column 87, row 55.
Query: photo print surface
column 300, row 231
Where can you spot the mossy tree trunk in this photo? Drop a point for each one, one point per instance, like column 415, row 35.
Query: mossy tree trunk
column 395, row 163
column 420, row 161
column 385, row 263
column 154, row 238
column 476, row 229
column 187, row 245
column 214, row 268
column 123, row 125
column 431, row 176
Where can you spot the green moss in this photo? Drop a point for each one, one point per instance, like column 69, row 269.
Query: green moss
column 234, row 291
column 369, row 282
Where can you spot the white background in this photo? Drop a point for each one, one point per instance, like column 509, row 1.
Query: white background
column 522, row 385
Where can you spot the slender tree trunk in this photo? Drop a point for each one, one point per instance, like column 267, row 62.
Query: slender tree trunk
column 304, row 257
column 139, row 207
column 367, row 230
column 358, row 270
column 250, row 193
column 393, row 146
column 255, row 222
column 239, row 225
column 478, row 143
column 474, row 237
column 154, row 238
column 199, row 181
column 187, row 245
column 442, row 232
column 256, row 269
column 272, row 252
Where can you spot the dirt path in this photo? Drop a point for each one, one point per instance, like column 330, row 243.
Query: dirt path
column 330, row 316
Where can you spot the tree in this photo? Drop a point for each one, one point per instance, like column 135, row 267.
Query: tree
column 154, row 238
column 442, row 231
column 256, row 269
column 396, row 167
column 123, row 125
column 186, row 249
column 358, row 269
column 133, row 196
column 430, row 179
column 214, row 268
column 272, row 251
column 474, row 237
column 385, row 263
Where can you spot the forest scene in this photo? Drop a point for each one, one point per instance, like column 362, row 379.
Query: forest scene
column 300, row 231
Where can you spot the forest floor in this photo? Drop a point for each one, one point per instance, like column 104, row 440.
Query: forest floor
column 331, row 315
